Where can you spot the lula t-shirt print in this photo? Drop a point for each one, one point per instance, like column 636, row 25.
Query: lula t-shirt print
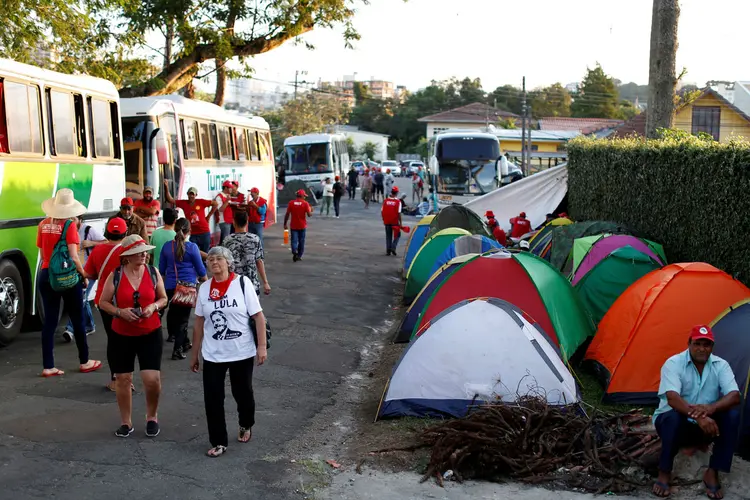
column 226, row 327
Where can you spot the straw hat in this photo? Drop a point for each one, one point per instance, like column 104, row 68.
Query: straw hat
column 134, row 244
column 63, row 205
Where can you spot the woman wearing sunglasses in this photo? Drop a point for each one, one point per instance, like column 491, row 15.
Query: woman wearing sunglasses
column 133, row 294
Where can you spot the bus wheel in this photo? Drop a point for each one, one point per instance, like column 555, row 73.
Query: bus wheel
column 12, row 307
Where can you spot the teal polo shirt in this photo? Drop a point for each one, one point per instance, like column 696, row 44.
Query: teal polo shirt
column 680, row 375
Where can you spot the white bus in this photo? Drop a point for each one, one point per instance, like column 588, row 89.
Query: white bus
column 56, row 131
column 195, row 144
column 314, row 157
column 464, row 164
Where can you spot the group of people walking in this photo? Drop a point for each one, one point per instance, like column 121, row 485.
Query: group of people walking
column 138, row 281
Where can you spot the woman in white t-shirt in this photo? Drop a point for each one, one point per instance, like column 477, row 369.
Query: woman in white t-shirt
column 327, row 197
column 223, row 335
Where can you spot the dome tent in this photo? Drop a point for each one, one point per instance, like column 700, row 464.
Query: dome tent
column 461, row 217
column 589, row 251
column 422, row 266
column 463, row 245
column 416, row 239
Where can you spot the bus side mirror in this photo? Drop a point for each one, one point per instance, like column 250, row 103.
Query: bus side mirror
column 502, row 166
column 161, row 148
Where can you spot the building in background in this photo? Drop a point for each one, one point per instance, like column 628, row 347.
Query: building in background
column 361, row 137
column 476, row 116
column 584, row 126
column 379, row 89
column 252, row 96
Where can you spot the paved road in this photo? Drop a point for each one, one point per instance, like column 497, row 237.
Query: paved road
column 56, row 435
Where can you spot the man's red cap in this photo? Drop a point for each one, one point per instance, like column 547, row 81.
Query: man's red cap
column 126, row 202
column 702, row 332
column 301, row 192
column 235, row 183
column 522, row 214
column 395, row 189
column 489, row 214
column 116, row 225
column 227, row 184
column 255, row 190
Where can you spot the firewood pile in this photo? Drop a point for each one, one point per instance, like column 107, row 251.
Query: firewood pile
column 536, row 443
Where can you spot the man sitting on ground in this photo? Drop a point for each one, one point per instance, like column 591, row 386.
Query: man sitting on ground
column 698, row 405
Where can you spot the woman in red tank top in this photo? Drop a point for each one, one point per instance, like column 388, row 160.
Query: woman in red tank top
column 136, row 330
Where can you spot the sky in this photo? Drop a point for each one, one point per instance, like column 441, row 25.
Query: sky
column 500, row 41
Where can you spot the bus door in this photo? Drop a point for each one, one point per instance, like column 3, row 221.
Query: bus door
column 168, row 155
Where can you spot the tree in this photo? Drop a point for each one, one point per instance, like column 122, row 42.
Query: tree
column 369, row 150
column 662, row 79
column 311, row 112
column 554, row 100
column 597, row 96
column 507, row 98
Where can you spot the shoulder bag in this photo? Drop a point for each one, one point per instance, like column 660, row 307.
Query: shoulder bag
column 185, row 294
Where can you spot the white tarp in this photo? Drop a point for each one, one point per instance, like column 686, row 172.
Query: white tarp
column 537, row 195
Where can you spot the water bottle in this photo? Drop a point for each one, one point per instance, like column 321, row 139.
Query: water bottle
column 286, row 236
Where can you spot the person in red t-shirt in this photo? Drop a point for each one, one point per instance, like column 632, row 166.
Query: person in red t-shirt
column 60, row 211
column 256, row 213
column 391, row 212
column 519, row 225
column 224, row 210
column 298, row 210
column 497, row 231
column 147, row 208
column 195, row 211
column 104, row 259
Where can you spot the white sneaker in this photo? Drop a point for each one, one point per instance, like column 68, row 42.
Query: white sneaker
column 67, row 336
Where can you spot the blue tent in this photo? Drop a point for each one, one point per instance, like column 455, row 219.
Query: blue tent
column 418, row 235
column 732, row 333
column 474, row 243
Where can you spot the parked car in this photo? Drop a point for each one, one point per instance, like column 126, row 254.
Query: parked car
column 393, row 166
column 414, row 166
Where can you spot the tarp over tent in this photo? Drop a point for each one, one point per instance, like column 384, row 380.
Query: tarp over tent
column 589, row 251
column 651, row 321
column 601, row 286
column 561, row 243
column 289, row 193
column 477, row 351
column 537, row 195
column 473, row 243
column 461, row 217
column 422, row 266
column 416, row 239
column 523, row 280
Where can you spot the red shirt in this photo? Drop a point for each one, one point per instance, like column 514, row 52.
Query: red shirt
column 125, row 291
column 141, row 203
column 298, row 210
column 390, row 211
column 223, row 198
column 499, row 235
column 48, row 234
column 196, row 214
column 96, row 261
column 252, row 213
column 519, row 227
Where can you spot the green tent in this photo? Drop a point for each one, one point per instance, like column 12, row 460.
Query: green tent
column 458, row 216
column 583, row 246
column 599, row 288
column 563, row 237
column 421, row 267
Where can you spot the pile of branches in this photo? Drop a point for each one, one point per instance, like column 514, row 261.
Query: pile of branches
column 534, row 442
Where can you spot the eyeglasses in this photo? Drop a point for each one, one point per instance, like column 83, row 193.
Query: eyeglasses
column 136, row 298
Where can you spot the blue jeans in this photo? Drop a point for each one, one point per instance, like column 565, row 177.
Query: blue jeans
column 88, row 318
column 390, row 242
column 676, row 431
column 256, row 228
column 202, row 240
column 298, row 241
column 226, row 229
column 74, row 305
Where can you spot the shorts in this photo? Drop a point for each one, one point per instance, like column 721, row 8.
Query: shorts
column 123, row 349
column 379, row 189
column 365, row 194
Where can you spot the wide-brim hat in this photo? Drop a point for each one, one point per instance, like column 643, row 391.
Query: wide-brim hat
column 134, row 244
column 63, row 205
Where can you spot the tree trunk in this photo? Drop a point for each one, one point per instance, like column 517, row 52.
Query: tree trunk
column 662, row 78
column 189, row 89
column 168, row 44
column 221, row 82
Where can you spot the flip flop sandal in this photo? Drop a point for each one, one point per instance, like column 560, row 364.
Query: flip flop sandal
column 713, row 490
column 665, row 487
column 92, row 368
column 55, row 373
column 216, row 451
column 245, row 432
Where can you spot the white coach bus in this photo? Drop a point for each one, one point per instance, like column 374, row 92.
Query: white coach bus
column 195, row 144
column 314, row 157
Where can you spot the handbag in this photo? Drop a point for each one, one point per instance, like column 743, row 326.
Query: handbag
column 185, row 294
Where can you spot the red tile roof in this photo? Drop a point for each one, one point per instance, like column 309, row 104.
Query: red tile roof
column 634, row 126
column 471, row 113
column 583, row 125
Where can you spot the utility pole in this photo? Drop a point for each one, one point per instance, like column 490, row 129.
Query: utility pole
column 297, row 82
column 528, row 146
column 523, row 129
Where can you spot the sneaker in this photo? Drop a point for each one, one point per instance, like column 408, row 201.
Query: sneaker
column 393, row 252
column 124, row 431
column 388, row 252
column 152, row 428
column 294, row 257
column 177, row 355
column 93, row 330
column 67, row 336
column 187, row 346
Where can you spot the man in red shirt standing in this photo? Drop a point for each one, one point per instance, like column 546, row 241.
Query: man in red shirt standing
column 391, row 212
column 224, row 211
column 519, row 225
column 147, row 208
column 298, row 210
column 256, row 213
column 194, row 209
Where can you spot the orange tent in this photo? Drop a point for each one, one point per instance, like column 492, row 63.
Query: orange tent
column 650, row 322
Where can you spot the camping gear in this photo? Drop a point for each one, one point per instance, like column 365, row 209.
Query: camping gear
column 589, row 251
column 561, row 242
column 599, row 288
column 472, row 243
column 523, row 280
column 418, row 235
column 460, row 217
column 478, row 350
column 422, row 266
column 537, row 195
column 410, row 319
column 651, row 321
column 732, row 332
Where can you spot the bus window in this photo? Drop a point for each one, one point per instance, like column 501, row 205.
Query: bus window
column 240, row 138
column 190, row 139
column 253, row 136
column 134, row 137
column 23, row 118
column 100, row 128
column 3, row 126
column 62, row 128
column 80, row 125
column 206, row 142
column 225, row 143
column 214, row 141
column 114, row 116
column 264, row 141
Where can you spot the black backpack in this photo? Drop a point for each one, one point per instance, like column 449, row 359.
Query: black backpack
column 118, row 276
column 252, row 323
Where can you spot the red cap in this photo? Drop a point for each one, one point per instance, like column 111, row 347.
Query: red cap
column 254, row 190
column 126, row 202
column 489, row 214
column 395, row 189
column 522, row 214
column 227, row 184
column 338, row 178
column 301, row 192
column 702, row 332
column 116, row 225
column 235, row 183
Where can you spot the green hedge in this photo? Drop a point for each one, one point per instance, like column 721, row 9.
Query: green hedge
column 689, row 194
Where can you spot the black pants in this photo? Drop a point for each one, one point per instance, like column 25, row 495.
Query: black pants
column 241, row 381
column 107, row 322
column 352, row 191
column 177, row 321
column 391, row 242
column 336, row 204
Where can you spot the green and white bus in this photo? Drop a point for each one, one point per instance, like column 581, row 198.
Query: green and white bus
column 56, row 131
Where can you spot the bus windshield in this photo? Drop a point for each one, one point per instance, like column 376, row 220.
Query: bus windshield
column 308, row 159
column 467, row 165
